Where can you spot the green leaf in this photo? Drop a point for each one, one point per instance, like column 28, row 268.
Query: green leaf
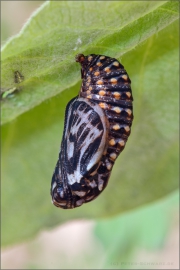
column 44, row 50
column 147, row 169
column 125, row 235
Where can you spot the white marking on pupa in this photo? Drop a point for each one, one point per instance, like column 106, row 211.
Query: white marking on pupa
column 75, row 177
column 89, row 198
column 54, row 185
column 100, row 184
column 80, row 202
column 80, row 193
column 62, row 203
column 94, row 133
column 70, row 149
column 93, row 184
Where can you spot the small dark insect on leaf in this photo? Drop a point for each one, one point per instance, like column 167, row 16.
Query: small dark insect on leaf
column 8, row 93
column 18, row 77
column 97, row 126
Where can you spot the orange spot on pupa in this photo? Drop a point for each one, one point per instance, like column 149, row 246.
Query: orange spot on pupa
column 108, row 165
column 113, row 156
column 103, row 105
column 90, row 58
column 127, row 128
column 96, row 73
column 121, row 143
column 125, row 77
column 117, row 109
column 128, row 94
column 99, row 82
column 113, row 81
column 102, row 93
column 99, row 64
column 107, row 69
column 116, row 64
column 116, row 94
column 116, row 127
column 129, row 112
column 112, row 142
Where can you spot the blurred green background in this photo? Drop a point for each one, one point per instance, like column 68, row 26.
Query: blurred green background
column 117, row 236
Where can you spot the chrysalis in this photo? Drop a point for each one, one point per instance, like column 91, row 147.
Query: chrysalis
column 97, row 125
